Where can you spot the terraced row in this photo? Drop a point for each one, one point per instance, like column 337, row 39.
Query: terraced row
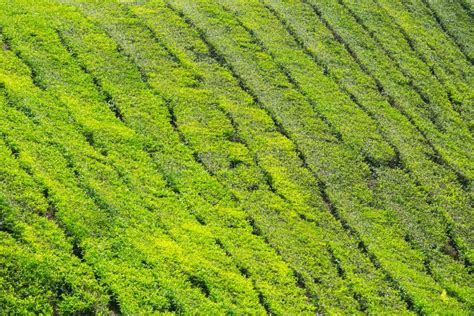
column 116, row 226
column 238, row 156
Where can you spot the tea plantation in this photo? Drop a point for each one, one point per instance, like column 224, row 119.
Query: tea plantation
column 211, row 157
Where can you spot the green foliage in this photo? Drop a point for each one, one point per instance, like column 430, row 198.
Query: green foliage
column 235, row 157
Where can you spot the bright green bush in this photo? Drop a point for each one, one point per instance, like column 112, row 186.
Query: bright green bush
column 235, row 157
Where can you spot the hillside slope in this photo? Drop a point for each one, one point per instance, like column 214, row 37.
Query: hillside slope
column 236, row 157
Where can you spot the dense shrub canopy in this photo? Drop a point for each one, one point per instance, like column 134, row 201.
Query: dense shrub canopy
column 236, row 157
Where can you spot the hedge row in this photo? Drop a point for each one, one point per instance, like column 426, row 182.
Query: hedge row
column 444, row 194
column 265, row 78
